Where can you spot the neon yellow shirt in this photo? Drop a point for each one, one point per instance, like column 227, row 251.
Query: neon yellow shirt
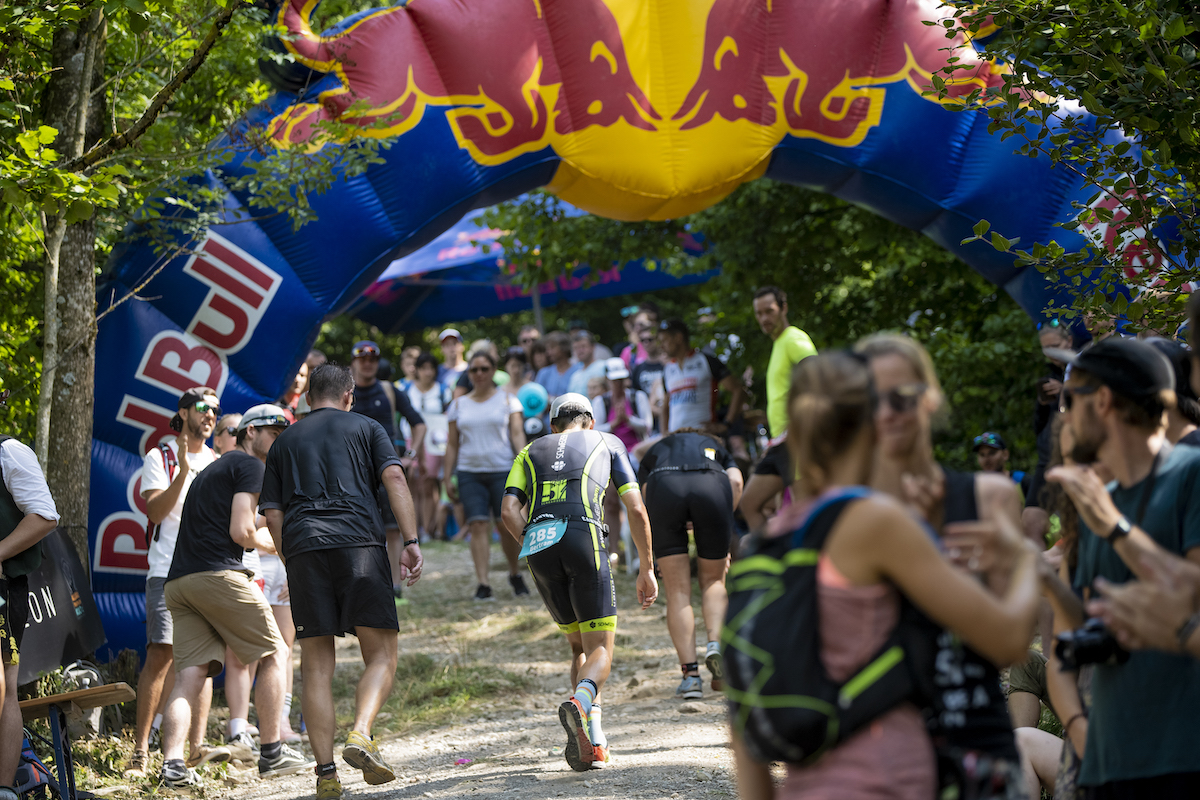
column 792, row 346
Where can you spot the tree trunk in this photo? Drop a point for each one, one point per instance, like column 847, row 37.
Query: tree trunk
column 69, row 452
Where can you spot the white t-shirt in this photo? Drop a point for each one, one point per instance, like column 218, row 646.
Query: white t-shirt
column 154, row 476
column 24, row 480
column 484, row 444
column 430, row 406
column 692, row 384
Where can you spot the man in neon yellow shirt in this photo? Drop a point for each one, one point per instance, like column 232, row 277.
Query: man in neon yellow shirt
column 791, row 345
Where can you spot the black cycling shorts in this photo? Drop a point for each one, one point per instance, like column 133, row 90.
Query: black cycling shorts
column 703, row 498
column 335, row 591
column 574, row 580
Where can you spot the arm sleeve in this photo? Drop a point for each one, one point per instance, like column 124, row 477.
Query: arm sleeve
column 519, row 480
column 383, row 452
column 641, row 419
column 600, row 414
column 154, row 475
column 250, row 476
column 405, row 407
column 623, row 475
column 719, row 371
column 25, row 482
column 464, row 382
column 727, row 460
column 272, row 490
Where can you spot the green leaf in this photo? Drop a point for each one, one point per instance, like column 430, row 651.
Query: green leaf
column 138, row 23
column 982, row 227
column 46, row 134
column 1000, row 243
column 6, row 83
column 1175, row 28
column 79, row 210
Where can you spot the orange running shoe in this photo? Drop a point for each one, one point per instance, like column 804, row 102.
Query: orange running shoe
column 574, row 721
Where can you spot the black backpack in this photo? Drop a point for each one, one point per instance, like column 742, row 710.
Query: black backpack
column 783, row 704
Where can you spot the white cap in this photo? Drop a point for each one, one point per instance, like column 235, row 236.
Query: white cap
column 568, row 403
column 615, row 369
column 266, row 415
column 450, row 332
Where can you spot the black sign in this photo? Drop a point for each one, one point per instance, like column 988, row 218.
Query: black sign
column 64, row 624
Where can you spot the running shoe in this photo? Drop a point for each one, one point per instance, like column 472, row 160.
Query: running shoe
column 579, row 743
column 602, row 757
column 242, row 747
column 360, row 752
column 518, row 585
column 716, row 667
column 135, row 767
column 205, row 754
column 287, row 762
column 484, row 594
column 329, row 788
column 690, row 688
column 179, row 781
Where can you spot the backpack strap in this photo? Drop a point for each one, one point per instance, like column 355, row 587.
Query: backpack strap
column 815, row 528
column 170, row 463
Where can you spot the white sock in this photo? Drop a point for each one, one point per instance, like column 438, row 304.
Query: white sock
column 285, row 714
column 236, row 726
column 157, row 724
column 594, row 729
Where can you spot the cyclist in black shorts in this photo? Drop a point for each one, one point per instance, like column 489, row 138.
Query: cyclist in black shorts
column 690, row 477
column 554, row 505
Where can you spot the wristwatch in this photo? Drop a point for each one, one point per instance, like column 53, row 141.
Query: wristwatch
column 1120, row 530
column 411, row 541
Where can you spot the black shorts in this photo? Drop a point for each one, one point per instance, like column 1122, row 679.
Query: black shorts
column 703, row 498
column 13, row 616
column 335, row 591
column 574, row 581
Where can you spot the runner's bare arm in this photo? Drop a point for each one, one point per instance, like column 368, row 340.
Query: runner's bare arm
column 159, row 502
column 400, row 500
column 639, row 529
column 516, row 431
column 275, row 526
column 450, row 462
column 242, row 527
column 512, row 516
column 735, row 483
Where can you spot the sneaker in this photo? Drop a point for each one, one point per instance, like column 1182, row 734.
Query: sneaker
column 518, row 585
column 135, row 767
column 602, row 757
column 205, row 754
column 180, row 781
column 574, row 721
column 155, row 739
column 361, row 753
column 242, row 747
column 329, row 788
column 690, row 688
column 716, row 667
column 288, row 762
column 484, row 594
column 253, row 731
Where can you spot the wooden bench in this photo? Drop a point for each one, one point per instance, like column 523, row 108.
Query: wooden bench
column 56, row 707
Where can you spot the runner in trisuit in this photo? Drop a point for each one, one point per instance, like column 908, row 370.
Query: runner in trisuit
column 554, row 505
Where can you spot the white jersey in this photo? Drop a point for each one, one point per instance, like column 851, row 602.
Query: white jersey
column 154, row 476
column 691, row 384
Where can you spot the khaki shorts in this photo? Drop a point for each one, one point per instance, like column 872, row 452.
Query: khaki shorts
column 213, row 609
column 1030, row 677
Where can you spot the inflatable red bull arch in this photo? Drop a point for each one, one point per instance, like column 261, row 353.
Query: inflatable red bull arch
column 630, row 109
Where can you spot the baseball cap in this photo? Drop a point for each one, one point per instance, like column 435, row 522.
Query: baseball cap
column 450, row 332
column 1130, row 367
column 989, row 439
column 570, row 403
column 533, row 399
column 191, row 397
column 365, row 348
column 265, row 415
column 1180, row 358
column 674, row 326
column 615, row 369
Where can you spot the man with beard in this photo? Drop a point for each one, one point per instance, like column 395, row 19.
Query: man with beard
column 1145, row 714
column 789, row 346
column 167, row 473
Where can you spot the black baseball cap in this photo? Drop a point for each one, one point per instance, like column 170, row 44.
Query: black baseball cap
column 1130, row 367
column 989, row 439
column 190, row 398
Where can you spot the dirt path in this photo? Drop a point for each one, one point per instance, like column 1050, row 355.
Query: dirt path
column 662, row 747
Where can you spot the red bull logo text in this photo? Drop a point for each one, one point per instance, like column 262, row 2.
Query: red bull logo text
column 656, row 108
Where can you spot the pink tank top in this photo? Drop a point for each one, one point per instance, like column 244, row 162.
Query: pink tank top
column 892, row 757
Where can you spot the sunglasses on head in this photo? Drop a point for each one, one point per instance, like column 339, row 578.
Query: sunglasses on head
column 1054, row 323
column 359, row 352
column 988, row 439
column 904, row 398
column 204, row 408
column 1066, row 397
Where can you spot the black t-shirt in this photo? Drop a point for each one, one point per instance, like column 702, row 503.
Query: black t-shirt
column 372, row 401
column 685, row 452
column 775, row 462
column 324, row 474
column 646, row 374
column 204, row 543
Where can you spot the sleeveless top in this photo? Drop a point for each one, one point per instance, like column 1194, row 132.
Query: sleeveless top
column 970, row 710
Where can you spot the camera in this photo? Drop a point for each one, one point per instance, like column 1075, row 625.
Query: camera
column 1091, row 644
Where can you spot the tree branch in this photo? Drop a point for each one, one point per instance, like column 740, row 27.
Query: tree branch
column 164, row 95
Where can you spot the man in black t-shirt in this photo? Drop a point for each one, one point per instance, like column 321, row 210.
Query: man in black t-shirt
column 214, row 604
column 647, row 374
column 319, row 497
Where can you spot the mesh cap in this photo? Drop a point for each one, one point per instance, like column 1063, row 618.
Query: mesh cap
column 264, row 416
column 570, row 403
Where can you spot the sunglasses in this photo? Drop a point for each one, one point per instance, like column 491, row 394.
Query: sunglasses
column 229, row 429
column 473, row 370
column 204, row 408
column 359, row 352
column 1066, row 398
column 903, row 399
